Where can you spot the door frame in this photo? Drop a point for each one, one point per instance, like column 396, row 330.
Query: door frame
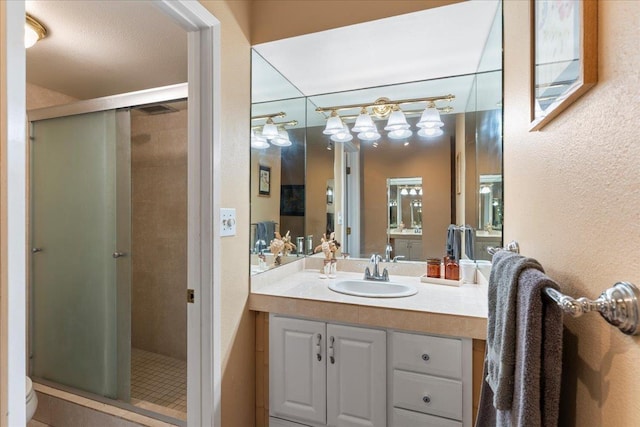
column 204, row 376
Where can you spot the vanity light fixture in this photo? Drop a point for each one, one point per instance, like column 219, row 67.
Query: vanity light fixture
column 364, row 122
column 33, row 31
column 404, row 191
column 485, row 189
column 420, row 191
column 334, row 124
column 413, row 192
column 343, row 135
column 430, row 123
column 271, row 131
column 258, row 141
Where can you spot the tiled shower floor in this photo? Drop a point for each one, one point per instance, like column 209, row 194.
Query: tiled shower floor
column 160, row 381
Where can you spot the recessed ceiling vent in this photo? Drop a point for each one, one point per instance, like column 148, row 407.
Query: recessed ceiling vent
column 154, row 109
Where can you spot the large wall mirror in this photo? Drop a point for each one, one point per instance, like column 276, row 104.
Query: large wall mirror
column 392, row 117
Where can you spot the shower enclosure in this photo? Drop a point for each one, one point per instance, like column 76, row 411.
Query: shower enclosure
column 81, row 258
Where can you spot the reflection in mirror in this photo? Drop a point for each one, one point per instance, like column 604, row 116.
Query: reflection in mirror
column 355, row 170
column 404, row 233
column 277, row 168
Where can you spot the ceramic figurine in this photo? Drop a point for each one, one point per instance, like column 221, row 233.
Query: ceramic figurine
column 281, row 246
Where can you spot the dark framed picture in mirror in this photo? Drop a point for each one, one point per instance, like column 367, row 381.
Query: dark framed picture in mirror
column 564, row 55
column 264, row 186
column 292, row 200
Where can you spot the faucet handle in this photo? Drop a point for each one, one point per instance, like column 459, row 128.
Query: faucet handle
column 375, row 258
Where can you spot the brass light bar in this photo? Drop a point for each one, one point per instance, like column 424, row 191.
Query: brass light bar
column 385, row 102
column 279, row 115
column 289, row 123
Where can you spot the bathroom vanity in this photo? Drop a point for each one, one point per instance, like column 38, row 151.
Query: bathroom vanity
column 325, row 358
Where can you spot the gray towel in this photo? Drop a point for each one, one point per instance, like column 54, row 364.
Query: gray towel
column 265, row 231
column 501, row 324
column 454, row 243
column 469, row 241
column 538, row 369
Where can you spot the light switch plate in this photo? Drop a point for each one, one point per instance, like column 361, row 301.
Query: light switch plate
column 227, row 222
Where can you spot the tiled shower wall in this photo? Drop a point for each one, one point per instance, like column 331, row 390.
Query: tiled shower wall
column 159, row 232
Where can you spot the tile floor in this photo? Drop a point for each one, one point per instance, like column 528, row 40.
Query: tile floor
column 159, row 380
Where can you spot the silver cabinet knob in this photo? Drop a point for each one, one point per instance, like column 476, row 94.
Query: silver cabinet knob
column 119, row 254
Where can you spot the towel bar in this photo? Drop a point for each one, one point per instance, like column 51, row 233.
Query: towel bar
column 618, row 305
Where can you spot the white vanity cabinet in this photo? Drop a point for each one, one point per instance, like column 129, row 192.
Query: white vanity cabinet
column 430, row 381
column 322, row 374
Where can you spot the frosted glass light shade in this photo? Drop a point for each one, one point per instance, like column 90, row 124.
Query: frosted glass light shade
column 258, row 141
column 342, row 136
column 430, row 118
column 430, row 132
column 485, row 190
column 399, row 134
column 282, row 140
column 30, row 36
column 413, row 192
column 269, row 130
column 334, row 125
column 364, row 123
column 369, row 135
column 397, row 121
column 404, row 192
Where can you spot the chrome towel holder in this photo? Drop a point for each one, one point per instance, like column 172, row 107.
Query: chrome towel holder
column 618, row 304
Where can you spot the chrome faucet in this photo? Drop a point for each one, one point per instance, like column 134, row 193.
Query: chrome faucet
column 387, row 252
column 384, row 277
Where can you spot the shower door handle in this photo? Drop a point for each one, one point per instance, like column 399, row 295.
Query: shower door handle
column 119, row 254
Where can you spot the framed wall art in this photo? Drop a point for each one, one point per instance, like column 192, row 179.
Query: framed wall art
column 564, row 55
column 264, row 184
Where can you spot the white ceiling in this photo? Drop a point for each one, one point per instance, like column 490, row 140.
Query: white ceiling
column 434, row 43
column 100, row 48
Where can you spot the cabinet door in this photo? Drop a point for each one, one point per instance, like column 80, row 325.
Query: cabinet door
column 416, row 250
column 297, row 369
column 401, row 248
column 356, row 377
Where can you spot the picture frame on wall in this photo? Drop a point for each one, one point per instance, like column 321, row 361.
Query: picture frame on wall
column 264, row 180
column 564, row 55
column 292, row 199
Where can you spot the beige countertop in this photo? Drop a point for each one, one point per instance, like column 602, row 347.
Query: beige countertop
column 291, row 290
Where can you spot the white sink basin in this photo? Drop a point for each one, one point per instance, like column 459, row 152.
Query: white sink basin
column 370, row 288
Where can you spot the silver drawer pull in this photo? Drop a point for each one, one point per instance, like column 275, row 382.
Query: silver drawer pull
column 425, row 357
column 332, row 359
column 426, row 399
column 318, row 348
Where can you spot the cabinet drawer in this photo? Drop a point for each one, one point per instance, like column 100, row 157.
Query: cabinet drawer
column 426, row 354
column 404, row 418
column 424, row 393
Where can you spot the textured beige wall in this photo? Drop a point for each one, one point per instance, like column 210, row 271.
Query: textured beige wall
column 573, row 201
column 309, row 16
column 39, row 97
column 159, row 233
column 238, row 325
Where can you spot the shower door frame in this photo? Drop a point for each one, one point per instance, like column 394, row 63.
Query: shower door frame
column 204, row 376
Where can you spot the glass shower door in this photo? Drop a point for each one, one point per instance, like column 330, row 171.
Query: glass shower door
column 80, row 263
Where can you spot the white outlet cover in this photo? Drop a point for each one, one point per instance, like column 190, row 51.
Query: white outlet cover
column 227, row 222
